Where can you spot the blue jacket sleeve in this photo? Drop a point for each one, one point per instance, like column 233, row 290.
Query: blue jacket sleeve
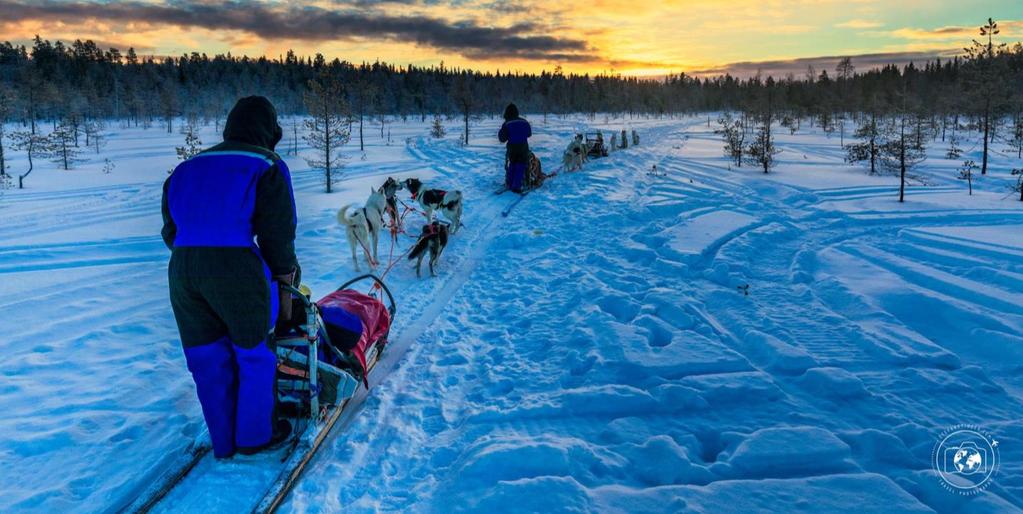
column 274, row 219
column 502, row 135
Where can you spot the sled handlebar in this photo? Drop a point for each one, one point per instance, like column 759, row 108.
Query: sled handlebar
column 390, row 298
column 307, row 302
column 295, row 293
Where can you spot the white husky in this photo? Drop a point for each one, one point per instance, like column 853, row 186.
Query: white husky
column 575, row 154
column 363, row 226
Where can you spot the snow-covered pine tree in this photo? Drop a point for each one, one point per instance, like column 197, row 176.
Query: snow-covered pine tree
column 869, row 147
column 327, row 129
column 733, row 134
column 193, row 145
column 437, row 129
column 899, row 154
column 954, row 151
column 62, row 140
column 35, row 146
column 108, row 166
column 789, row 122
column 94, row 135
column 966, row 173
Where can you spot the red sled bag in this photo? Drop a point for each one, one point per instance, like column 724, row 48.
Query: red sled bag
column 354, row 322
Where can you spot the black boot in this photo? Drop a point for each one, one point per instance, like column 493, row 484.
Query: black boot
column 282, row 430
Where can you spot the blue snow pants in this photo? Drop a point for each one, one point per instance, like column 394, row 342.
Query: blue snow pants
column 515, row 175
column 225, row 311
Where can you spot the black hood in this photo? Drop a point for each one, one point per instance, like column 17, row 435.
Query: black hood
column 253, row 121
column 511, row 112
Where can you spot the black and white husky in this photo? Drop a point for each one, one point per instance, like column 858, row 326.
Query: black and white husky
column 448, row 203
column 363, row 226
column 433, row 239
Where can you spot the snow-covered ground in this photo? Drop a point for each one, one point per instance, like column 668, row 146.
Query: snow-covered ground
column 597, row 350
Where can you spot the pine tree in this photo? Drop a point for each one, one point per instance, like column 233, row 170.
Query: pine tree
column 35, row 146
column 985, row 78
column 6, row 109
column 761, row 151
column 62, row 139
column 5, row 183
column 364, row 95
column 94, row 135
column 1018, row 187
column 193, row 145
column 954, row 152
column 437, row 129
column 733, row 133
column 966, row 173
column 327, row 130
column 869, row 147
column 168, row 107
column 465, row 97
column 898, row 153
column 1015, row 137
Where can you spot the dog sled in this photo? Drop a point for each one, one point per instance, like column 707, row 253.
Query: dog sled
column 595, row 145
column 534, row 178
column 325, row 355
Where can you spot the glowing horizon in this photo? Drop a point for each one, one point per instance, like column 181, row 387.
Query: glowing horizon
column 604, row 36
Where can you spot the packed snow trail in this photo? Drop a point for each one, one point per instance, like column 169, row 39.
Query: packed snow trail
column 603, row 358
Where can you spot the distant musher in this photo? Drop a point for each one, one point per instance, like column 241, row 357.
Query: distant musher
column 516, row 132
column 229, row 220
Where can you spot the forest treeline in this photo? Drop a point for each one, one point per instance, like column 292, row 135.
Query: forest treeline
column 53, row 80
column 73, row 87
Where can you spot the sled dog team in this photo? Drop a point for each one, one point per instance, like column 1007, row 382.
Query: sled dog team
column 579, row 149
column 363, row 225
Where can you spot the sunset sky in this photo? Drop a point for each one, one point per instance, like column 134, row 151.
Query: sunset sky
column 624, row 36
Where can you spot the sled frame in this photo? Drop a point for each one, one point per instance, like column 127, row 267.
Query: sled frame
column 306, row 449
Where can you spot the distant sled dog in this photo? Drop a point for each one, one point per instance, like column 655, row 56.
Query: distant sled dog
column 447, row 203
column 575, row 154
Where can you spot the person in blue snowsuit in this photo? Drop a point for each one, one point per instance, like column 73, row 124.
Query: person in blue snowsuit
column 516, row 133
column 229, row 220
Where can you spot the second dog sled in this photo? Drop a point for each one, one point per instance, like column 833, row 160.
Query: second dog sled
column 595, row 146
column 346, row 331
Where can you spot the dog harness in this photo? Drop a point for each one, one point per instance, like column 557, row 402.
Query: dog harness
column 369, row 222
column 433, row 196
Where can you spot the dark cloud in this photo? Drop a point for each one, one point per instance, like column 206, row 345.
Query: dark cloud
column 522, row 41
column 798, row 67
